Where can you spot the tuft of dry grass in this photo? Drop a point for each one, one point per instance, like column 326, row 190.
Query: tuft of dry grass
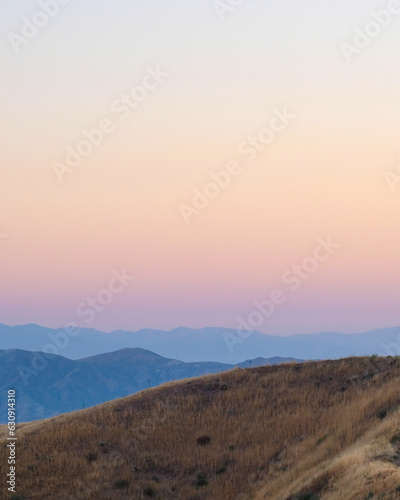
column 319, row 430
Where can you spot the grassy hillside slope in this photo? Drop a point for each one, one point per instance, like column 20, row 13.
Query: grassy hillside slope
column 319, row 430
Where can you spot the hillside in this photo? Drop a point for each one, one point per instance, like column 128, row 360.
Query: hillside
column 326, row 430
column 63, row 385
column 50, row 386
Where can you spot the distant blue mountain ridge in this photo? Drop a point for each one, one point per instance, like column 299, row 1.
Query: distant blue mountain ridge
column 207, row 344
column 47, row 386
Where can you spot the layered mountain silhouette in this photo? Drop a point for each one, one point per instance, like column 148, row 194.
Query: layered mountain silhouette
column 49, row 385
column 212, row 344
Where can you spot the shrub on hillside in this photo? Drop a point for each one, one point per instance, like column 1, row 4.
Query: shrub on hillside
column 122, row 484
column 203, row 440
column 149, row 492
column 91, row 457
column 382, row 414
column 201, row 479
column 395, row 439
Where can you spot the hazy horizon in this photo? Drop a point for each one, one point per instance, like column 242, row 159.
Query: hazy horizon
column 184, row 327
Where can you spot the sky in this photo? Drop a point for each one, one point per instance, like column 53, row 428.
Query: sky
column 293, row 111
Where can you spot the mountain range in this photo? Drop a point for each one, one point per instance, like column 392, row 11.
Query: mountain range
column 213, row 344
column 49, row 385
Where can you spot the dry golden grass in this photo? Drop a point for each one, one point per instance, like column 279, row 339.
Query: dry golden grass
column 307, row 431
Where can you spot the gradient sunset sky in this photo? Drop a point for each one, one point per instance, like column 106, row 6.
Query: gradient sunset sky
column 323, row 175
